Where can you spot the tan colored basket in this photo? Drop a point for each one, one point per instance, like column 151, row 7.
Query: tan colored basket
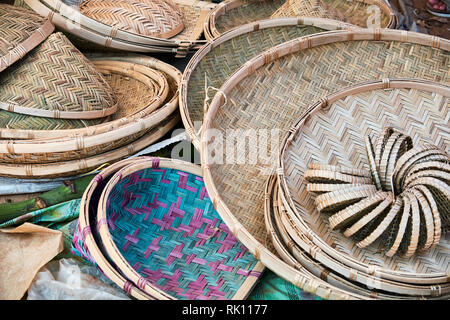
column 21, row 30
column 98, row 139
column 84, row 165
column 155, row 18
column 89, row 236
column 363, row 13
column 308, row 68
column 214, row 62
column 295, row 256
column 44, row 84
column 233, row 13
column 425, row 274
column 92, row 32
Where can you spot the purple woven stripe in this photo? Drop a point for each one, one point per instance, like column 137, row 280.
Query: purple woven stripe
column 193, row 259
column 152, row 247
column 112, row 221
column 131, row 239
column 240, row 253
column 214, row 291
column 199, row 179
column 86, row 231
column 219, row 265
column 175, row 254
column 203, row 193
column 137, row 266
column 155, row 163
column 127, row 198
column 163, row 175
column 195, row 223
column 247, row 273
column 182, row 183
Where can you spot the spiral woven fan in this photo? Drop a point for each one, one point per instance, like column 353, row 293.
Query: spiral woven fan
column 403, row 200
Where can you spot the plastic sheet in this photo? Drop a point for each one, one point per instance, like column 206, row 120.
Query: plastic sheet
column 69, row 279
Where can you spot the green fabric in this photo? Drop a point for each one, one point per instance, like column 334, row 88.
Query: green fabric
column 272, row 287
column 62, row 217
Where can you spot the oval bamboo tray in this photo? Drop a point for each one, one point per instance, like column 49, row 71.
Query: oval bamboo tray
column 156, row 18
column 84, row 165
column 212, row 266
column 70, row 20
column 412, row 97
column 233, row 13
column 214, row 62
column 295, row 256
column 99, row 138
column 363, row 13
column 44, row 84
column 328, row 62
column 21, row 30
column 86, row 239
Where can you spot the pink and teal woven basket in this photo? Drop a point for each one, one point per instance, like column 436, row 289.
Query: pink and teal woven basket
column 158, row 227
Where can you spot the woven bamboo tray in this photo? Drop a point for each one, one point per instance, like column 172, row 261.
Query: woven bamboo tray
column 21, row 30
column 55, row 80
column 363, row 13
column 233, row 13
column 98, row 139
column 295, row 256
column 172, row 238
column 412, row 97
column 328, row 62
column 214, row 62
column 70, row 20
column 87, row 241
column 84, row 165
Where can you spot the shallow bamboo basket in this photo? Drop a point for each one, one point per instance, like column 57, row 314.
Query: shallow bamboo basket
column 21, row 30
column 402, row 103
column 84, row 165
column 214, row 62
column 87, row 240
column 232, row 266
column 363, row 13
column 328, row 62
column 70, row 20
column 233, row 13
column 295, row 256
column 81, row 143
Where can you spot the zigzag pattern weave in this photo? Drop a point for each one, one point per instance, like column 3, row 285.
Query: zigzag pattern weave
column 56, row 76
column 355, row 12
column 16, row 25
column 336, row 136
column 145, row 17
column 278, row 93
column 166, row 227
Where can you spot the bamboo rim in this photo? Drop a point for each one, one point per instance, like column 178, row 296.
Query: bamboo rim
column 330, row 254
column 303, row 43
column 94, row 138
column 140, row 72
column 21, row 49
column 194, row 135
column 73, row 22
column 296, row 256
column 73, row 167
column 211, row 31
column 86, row 230
column 111, row 247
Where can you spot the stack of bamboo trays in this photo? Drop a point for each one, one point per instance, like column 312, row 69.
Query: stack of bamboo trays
column 372, row 70
column 177, row 26
column 362, row 13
